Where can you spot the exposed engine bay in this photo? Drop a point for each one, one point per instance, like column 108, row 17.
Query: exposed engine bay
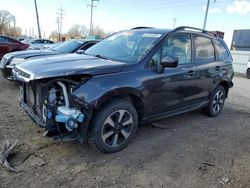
column 52, row 106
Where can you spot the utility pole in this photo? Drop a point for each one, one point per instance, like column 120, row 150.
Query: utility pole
column 61, row 14
column 14, row 20
column 37, row 19
column 58, row 29
column 205, row 20
column 175, row 19
column 91, row 16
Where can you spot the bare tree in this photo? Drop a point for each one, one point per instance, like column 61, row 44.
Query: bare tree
column 13, row 31
column 5, row 19
column 77, row 31
column 54, row 35
column 99, row 31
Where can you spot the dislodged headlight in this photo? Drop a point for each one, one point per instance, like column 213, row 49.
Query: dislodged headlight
column 16, row 61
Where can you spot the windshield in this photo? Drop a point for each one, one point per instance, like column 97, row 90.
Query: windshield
column 68, row 47
column 127, row 46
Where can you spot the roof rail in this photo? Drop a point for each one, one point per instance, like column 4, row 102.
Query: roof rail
column 182, row 28
column 142, row 27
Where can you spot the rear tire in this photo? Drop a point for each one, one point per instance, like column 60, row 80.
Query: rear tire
column 114, row 126
column 248, row 73
column 216, row 102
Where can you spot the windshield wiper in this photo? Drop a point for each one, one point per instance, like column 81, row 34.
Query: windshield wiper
column 100, row 56
column 97, row 55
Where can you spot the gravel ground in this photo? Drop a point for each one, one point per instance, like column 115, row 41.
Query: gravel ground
column 189, row 150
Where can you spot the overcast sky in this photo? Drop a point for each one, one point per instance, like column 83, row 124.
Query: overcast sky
column 113, row 15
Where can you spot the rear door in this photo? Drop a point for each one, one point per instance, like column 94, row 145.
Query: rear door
column 208, row 67
column 172, row 90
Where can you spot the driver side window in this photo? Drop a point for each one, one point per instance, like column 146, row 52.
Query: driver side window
column 176, row 46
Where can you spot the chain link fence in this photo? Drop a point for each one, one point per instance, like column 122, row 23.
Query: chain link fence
column 240, row 60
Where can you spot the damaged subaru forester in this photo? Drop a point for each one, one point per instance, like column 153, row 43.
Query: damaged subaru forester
column 132, row 77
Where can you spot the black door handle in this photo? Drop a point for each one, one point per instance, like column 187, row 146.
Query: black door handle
column 217, row 68
column 190, row 73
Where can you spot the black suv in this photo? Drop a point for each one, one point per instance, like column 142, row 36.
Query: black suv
column 132, row 77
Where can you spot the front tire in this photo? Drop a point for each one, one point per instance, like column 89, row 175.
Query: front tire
column 114, row 126
column 216, row 102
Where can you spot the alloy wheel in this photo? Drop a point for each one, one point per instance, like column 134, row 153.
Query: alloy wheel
column 218, row 101
column 117, row 128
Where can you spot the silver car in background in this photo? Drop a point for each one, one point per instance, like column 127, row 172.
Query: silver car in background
column 38, row 44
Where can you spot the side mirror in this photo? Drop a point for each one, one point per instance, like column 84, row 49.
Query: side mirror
column 168, row 61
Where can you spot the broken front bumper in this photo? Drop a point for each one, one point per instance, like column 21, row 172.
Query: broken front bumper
column 80, row 134
column 31, row 114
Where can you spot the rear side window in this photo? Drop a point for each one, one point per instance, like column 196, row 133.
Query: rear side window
column 222, row 52
column 37, row 42
column 48, row 42
column 7, row 40
column 3, row 40
column 204, row 50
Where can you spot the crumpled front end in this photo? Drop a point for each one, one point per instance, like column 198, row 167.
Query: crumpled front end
column 53, row 107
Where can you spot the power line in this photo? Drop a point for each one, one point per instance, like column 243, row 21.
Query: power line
column 125, row 11
column 91, row 15
column 154, row 4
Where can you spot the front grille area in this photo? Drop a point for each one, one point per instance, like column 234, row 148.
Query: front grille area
column 31, row 113
column 30, row 96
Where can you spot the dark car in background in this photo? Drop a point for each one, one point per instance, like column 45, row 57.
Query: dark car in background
column 71, row 46
column 8, row 44
column 135, row 76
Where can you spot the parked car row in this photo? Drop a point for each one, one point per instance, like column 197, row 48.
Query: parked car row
column 14, row 58
column 9, row 44
column 132, row 77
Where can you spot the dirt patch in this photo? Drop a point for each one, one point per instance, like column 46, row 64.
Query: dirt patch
column 189, row 150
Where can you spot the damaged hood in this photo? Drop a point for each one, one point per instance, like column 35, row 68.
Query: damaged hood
column 22, row 55
column 30, row 53
column 35, row 53
column 64, row 65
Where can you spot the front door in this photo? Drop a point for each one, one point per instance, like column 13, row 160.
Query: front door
column 172, row 89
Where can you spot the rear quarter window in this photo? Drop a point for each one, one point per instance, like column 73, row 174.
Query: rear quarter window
column 204, row 50
column 222, row 52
